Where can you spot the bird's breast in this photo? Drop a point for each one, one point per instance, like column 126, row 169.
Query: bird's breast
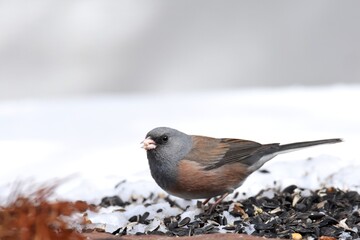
column 194, row 182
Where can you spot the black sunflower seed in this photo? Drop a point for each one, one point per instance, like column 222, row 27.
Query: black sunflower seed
column 134, row 218
column 316, row 215
column 143, row 218
column 173, row 225
column 229, row 228
column 184, row 222
column 112, row 201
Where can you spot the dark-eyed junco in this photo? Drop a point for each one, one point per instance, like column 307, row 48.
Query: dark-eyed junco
column 193, row 167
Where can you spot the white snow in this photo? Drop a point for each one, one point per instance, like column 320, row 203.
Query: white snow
column 249, row 229
column 94, row 142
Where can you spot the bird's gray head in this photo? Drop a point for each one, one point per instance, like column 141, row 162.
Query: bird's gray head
column 165, row 147
column 167, row 144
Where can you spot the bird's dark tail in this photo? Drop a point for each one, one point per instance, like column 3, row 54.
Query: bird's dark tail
column 293, row 146
column 274, row 149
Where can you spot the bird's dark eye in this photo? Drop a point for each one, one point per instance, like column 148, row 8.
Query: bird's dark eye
column 165, row 138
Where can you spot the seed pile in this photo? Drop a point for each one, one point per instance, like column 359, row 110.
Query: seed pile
column 288, row 213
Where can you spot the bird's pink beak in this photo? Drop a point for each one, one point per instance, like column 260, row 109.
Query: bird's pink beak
column 148, row 144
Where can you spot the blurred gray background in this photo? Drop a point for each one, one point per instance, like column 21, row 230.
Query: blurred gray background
column 67, row 48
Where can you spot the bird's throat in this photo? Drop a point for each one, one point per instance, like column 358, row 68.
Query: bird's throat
column 163, row 171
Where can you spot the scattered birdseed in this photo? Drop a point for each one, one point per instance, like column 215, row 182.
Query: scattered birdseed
column 294, row 212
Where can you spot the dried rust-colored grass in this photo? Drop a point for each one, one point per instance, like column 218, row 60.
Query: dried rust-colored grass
column 34, row 217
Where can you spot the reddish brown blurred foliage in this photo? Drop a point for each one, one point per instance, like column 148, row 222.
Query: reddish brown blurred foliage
column 33, row 216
